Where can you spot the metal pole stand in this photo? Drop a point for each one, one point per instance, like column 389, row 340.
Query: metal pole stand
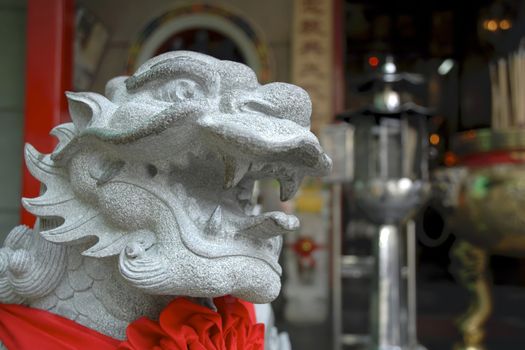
column 393, row 311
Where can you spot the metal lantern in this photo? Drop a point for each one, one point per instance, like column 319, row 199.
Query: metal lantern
column 390, row 183
column 391, row 171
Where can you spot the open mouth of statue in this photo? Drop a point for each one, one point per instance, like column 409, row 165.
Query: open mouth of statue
column 229, row 222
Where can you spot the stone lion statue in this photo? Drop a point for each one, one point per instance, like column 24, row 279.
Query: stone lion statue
column 148, row 194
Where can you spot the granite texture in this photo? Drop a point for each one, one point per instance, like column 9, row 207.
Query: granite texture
column 149, row 194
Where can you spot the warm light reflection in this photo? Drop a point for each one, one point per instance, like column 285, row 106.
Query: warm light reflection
column 373, row 61
column 434, row 139
column 491, row 25
column 505, row 24
column 469, row 135
column 450, row 159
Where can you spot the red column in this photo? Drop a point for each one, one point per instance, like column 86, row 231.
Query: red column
column 50, row 28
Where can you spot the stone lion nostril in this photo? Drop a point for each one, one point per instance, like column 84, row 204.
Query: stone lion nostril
column 134, row 250
column 152, row 170
column 260, row 106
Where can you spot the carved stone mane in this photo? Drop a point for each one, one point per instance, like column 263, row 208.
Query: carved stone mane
column 148, row 194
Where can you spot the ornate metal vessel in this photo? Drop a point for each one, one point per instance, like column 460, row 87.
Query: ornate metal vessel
column 484, row 197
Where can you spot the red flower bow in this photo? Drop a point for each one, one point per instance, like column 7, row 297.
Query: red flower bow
column 186, row 325
column 183, row 325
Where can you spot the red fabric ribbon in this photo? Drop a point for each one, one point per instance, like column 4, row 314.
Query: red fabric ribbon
column 24, row 328
column 182, row 325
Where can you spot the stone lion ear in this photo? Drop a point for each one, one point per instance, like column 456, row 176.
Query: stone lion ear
column 116, row 89
column 88, row 108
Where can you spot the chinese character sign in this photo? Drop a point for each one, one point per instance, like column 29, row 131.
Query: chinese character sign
column 312, row 56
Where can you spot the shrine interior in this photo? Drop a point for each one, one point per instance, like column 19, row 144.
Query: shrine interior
column 416, row 239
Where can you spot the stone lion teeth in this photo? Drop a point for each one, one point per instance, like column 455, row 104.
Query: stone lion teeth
column 270, row 225
column 278, row 246
column 246, row 188
column 289, row 186
column 274, row 245
column 234, row 171
column 214, row 226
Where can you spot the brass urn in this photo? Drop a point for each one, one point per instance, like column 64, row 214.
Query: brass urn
column 484, row 199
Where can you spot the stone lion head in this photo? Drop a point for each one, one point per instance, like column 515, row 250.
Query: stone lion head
column 159, row 173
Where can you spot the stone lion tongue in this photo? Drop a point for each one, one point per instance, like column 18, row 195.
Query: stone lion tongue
column 264, row 226
column 270, row 224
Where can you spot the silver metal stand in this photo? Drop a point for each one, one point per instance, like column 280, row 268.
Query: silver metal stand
column 393, row 270
column 386, row 306
column 411, row 286
column 388, row 187
column 394, row 308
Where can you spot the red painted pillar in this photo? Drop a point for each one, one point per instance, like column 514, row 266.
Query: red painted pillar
column 50, row 28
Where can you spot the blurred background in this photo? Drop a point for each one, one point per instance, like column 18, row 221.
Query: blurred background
column 417, row 239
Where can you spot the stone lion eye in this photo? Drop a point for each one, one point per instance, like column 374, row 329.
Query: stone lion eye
column 179, row 90
column 185, row 89
column 152, row 170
